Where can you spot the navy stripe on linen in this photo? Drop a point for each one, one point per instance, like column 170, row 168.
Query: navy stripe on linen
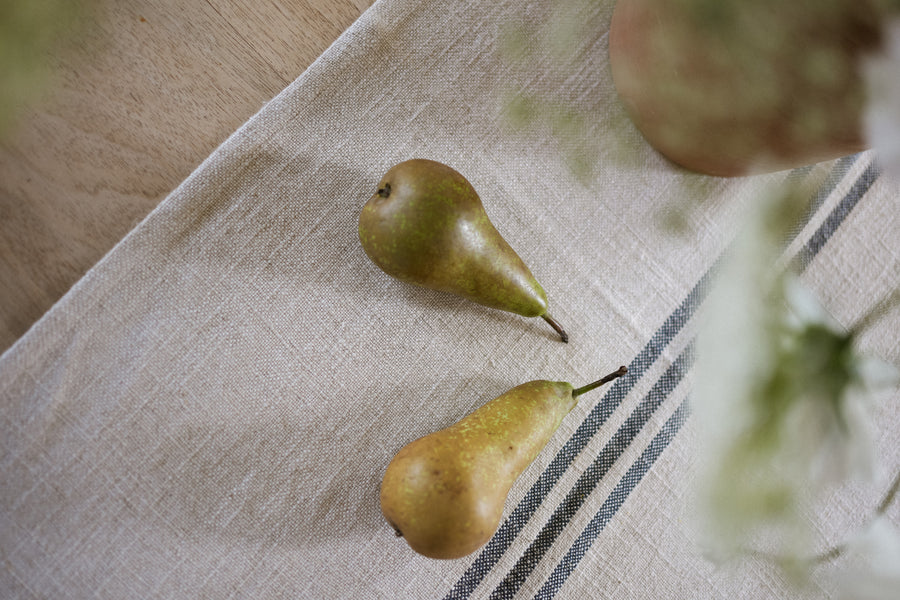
column 837, row 173
column 837, row 216
column 613, row 502
column 636, row 472
column 593, row 475
column 510, row 528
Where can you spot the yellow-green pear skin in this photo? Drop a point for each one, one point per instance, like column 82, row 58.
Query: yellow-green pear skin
column 426, row 225
column 445, row 492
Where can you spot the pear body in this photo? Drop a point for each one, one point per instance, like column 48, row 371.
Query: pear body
column 445, row 492
column 426, row 225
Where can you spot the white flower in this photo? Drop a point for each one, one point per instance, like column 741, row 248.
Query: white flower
column 875, row 553
column 783, row 400
column 804, row 306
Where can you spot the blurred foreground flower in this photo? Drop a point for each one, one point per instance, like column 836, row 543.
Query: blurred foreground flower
column 783, row 398
column 876, row 576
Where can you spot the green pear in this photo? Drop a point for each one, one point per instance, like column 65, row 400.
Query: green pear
column 426, row 225
column 445, row 492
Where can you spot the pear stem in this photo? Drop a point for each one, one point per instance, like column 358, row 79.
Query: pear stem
column 557, row 327
column 614, row 375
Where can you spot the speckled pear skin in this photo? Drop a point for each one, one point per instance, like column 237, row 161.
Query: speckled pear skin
column 445, row 492
column 426, row 225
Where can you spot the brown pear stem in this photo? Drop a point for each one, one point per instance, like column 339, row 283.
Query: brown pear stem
column 556, row 326
column 614, row 375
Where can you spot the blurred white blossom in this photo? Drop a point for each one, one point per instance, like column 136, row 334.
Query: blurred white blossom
column 783, row 399
column 875, row 553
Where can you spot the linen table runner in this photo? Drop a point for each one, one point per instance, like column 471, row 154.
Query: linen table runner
column 209, row 411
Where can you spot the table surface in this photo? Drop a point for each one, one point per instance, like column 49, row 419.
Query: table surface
column 146, row 91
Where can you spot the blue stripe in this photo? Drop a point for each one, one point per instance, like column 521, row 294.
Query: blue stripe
column 636, row 472
column 510, row 528
column 837, row 216
column 592, row 476
column 613, row 502
column 834, row 177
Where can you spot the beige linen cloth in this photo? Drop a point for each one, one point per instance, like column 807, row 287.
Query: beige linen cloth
column 209, row 411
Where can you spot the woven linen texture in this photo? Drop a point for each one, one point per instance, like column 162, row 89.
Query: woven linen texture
column 208, row 412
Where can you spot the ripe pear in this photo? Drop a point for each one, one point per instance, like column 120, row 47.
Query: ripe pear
column 445, row 492
column 426, row 225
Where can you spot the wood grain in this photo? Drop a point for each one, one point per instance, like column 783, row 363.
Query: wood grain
column 145, row 91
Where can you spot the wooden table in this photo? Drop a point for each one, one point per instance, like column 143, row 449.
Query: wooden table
column 145, row 91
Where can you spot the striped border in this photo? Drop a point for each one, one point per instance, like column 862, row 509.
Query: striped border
column 593, row 475
column 613, row 502
column 642, row 465
column 514, row 524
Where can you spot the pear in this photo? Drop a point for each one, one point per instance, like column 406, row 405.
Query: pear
column 426, row 225
column 445, row 492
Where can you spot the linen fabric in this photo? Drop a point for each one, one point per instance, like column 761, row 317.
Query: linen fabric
column 209, row 411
